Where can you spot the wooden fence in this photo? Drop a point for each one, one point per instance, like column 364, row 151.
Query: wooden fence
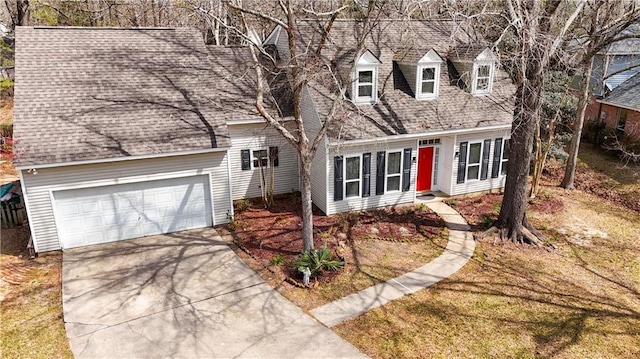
column 13, row 214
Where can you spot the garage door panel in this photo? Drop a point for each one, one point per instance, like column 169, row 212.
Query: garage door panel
column 110, row 213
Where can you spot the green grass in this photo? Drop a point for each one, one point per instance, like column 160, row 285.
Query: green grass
column 31, row 312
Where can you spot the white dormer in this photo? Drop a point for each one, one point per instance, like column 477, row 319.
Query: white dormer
column 428, row 76
column 365, row 78
column 483, row 73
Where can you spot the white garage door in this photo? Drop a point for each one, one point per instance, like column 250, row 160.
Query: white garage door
column 112, row 213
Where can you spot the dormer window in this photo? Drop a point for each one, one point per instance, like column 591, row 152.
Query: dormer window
column 483, row 78
column 365, row 84
column 428, row 75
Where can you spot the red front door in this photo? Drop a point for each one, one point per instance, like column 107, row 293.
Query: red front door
column 425, row 169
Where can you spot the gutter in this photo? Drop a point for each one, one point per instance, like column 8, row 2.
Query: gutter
column 420, row 135
column 617, row 105
column 119, row 159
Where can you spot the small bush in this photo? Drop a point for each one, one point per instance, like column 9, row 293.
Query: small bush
column 277, row 260
column 421, row 207
column 487, row 221
column 317, row 261
column 242, row 205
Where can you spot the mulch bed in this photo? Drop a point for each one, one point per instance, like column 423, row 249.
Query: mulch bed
column 269, row 233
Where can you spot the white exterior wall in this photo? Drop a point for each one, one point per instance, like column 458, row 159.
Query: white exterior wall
column 38, row 188
column 246, row 183
column 373, row 201
column 447, row 159
column 470, row 186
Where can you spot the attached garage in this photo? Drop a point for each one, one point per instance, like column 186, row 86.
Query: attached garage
column 111, row 213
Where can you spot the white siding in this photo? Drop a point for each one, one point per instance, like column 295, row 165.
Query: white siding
column 470, row 186
column 373, row 201
column 246, row 184
column 447, row 158
column 38, row 187
column 319, row 179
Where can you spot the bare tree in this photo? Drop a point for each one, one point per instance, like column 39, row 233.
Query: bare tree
column 539, row 29
column 601, row 25
column 300, row 66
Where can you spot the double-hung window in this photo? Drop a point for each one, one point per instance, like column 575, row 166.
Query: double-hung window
column 352, row 176
column 428, row 81
column 365, row 85
column 260, row 158
column 365, row 78
column 473, row 161
column 483, row 78
column 505, row 157
column 394, row 170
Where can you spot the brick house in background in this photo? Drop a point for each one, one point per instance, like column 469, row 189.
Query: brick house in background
column 615, row 84
column 620, row 109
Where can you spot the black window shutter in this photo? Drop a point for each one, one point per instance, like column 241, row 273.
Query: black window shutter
column 462, row 162
column 406, row 170
column 273, row 155
column 337, row 178
column 485, row 159
column 380, row 169
column 366, row 174
column 245, row 156
column 497, row 155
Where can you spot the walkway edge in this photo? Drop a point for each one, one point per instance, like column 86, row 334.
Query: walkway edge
column 459, row 250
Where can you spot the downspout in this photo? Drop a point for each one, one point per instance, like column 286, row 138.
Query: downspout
column 231, row 213
column 29, row 217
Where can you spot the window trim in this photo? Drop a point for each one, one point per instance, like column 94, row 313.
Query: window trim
column 374, row 83
column 503, row 161
column 254, row 159
column 479, row 164
column 344, row 176
column 476, row 69
column 386, row 171
column 436, row 81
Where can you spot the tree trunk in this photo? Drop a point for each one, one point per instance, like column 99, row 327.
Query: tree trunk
column 512, row 219
column 572, row 161
column 307, row 206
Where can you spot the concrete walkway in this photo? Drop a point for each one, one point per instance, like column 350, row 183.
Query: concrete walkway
column 458, row 252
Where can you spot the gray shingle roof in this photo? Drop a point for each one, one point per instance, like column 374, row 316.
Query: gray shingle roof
column 397, row 111
column 99, row 93
column 626, row 95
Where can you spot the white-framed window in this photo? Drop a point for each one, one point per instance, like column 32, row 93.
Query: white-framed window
column 482, row 78
column 352, row 176
column 393, row 173
column 365, row 78
column 505, row 157
column 260, row 158
column 428, row 76
column 431, row 141
column 474, row 158
column 366, row 85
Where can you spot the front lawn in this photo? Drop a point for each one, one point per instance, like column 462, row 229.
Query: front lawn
column 580, row 300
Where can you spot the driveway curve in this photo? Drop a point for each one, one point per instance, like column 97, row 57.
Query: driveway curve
column 183, row 295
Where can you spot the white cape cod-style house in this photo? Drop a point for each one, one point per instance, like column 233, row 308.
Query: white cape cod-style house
column 123, row 133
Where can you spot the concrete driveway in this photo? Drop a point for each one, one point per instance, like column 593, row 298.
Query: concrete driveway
column 182, row 295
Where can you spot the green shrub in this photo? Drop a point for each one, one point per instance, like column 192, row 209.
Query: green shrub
column 317, row 261
column 277, row 260
column 242, row 205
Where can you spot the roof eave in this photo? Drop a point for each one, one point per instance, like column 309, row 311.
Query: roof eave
column 120, row 159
